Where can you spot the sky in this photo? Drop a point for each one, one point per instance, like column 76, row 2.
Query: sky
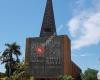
column 79, row 19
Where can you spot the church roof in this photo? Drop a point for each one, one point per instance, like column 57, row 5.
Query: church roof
column 48, row 27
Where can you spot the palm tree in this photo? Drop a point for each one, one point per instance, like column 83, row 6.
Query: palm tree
column 14, row 49
column 8, row 59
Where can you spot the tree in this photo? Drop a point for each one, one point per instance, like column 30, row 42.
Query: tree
column 2, row 75
column 19, row 72
column 14, row 49
column 8, row 59
column 66, row 77
column 90, row 74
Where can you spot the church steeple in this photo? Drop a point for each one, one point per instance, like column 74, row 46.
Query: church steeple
column 48, row 27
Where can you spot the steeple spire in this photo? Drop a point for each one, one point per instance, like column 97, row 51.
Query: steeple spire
column 48, row 27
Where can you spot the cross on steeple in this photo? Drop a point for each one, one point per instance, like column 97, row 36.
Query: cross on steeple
column 48, row 27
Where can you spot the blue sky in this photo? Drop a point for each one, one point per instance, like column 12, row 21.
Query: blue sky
column 79, row 19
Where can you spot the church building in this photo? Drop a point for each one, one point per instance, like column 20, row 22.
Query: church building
column 48, row 56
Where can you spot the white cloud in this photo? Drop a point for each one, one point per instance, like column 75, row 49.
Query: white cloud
column 86, row 27
column 89, row 28
column 74, row 25
column 84, row 55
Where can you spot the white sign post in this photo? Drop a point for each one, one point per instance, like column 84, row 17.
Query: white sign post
column 98, row 75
